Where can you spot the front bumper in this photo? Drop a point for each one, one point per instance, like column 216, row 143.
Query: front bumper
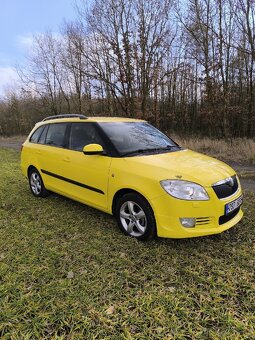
column 210, row 215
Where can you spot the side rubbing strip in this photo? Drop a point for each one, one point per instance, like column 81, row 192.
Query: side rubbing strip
column 72, row 181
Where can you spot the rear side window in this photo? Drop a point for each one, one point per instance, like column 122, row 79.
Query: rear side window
column 41, row 139
column 56, row 135
column 35, row 136
column 83, row 134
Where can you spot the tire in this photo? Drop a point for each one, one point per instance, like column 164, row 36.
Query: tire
column 36, row 184
column 135, row 217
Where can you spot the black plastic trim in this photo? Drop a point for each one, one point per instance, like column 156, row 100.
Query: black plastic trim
column 93, row 152
column 225, row 218
column 72, row 181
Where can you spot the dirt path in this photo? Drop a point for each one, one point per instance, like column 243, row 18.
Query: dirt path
column 12, row 143
column 246, row 172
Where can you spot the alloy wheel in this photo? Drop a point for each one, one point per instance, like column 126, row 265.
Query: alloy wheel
column 133, row 218
column 35, row 183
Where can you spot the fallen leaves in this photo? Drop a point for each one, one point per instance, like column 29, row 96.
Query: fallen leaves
column 70, row 275
column 110, row 310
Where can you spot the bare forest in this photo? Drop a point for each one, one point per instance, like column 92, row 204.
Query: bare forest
column 184, row 66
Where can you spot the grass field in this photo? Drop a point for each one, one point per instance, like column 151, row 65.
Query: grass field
column 66, row 272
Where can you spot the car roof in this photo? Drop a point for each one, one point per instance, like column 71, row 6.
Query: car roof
column 61, row 119
column 51, row 120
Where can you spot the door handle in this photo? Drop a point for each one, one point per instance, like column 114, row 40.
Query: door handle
column 67, row 159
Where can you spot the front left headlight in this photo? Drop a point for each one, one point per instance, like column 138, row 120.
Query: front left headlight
column 184, row 190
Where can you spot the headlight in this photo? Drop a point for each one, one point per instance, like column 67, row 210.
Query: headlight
column 184, row 190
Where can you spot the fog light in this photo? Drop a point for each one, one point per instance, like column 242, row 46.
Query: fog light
column 188, row 222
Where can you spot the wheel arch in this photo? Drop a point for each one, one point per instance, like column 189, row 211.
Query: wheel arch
column 124, row 191
column 151, row 230
column 30, row 168
column 44, row 192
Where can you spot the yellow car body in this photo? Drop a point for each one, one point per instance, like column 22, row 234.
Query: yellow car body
column 99, row 180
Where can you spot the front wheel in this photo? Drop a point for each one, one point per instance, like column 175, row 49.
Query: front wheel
column 135, row 217
column 36, row 184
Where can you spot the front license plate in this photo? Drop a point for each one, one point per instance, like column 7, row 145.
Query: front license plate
column 233, row 205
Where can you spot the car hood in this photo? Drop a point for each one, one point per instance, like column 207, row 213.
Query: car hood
column 184, row 164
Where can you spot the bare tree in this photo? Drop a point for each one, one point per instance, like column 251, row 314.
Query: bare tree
column 191, row 70
column 126, row 42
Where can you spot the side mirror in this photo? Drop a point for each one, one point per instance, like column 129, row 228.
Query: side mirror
column 93, row 149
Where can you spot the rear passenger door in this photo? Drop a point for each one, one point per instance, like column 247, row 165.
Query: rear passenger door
column 52, row 152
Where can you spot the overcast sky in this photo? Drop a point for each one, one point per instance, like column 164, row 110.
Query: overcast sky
column 19, row 21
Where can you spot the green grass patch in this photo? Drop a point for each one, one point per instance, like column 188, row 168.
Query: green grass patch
column 67, row 272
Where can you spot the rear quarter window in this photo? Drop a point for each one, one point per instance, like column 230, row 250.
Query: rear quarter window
column 36, row 135
column 41, row 139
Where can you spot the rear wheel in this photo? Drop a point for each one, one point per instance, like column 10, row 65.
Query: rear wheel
column 135, row 217
column 36, row 184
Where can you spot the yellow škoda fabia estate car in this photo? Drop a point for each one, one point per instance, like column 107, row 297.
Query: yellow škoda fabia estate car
column 128, row 168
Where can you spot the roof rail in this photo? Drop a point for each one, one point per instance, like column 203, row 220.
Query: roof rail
column 65, row 116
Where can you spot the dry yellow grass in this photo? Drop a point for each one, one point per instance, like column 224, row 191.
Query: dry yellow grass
column 238, row 149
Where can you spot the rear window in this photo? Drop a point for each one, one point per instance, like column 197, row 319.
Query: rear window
column 56, row 135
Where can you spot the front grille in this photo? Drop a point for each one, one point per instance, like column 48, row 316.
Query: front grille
column 227, row 189
column 225, row 218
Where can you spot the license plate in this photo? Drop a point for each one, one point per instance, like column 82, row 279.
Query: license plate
column 233, row 205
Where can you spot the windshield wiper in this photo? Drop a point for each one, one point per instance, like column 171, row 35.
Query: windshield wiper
column 168, row 147
column 134, row 152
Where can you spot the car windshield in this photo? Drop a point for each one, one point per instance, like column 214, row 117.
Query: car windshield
column 132, row 138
